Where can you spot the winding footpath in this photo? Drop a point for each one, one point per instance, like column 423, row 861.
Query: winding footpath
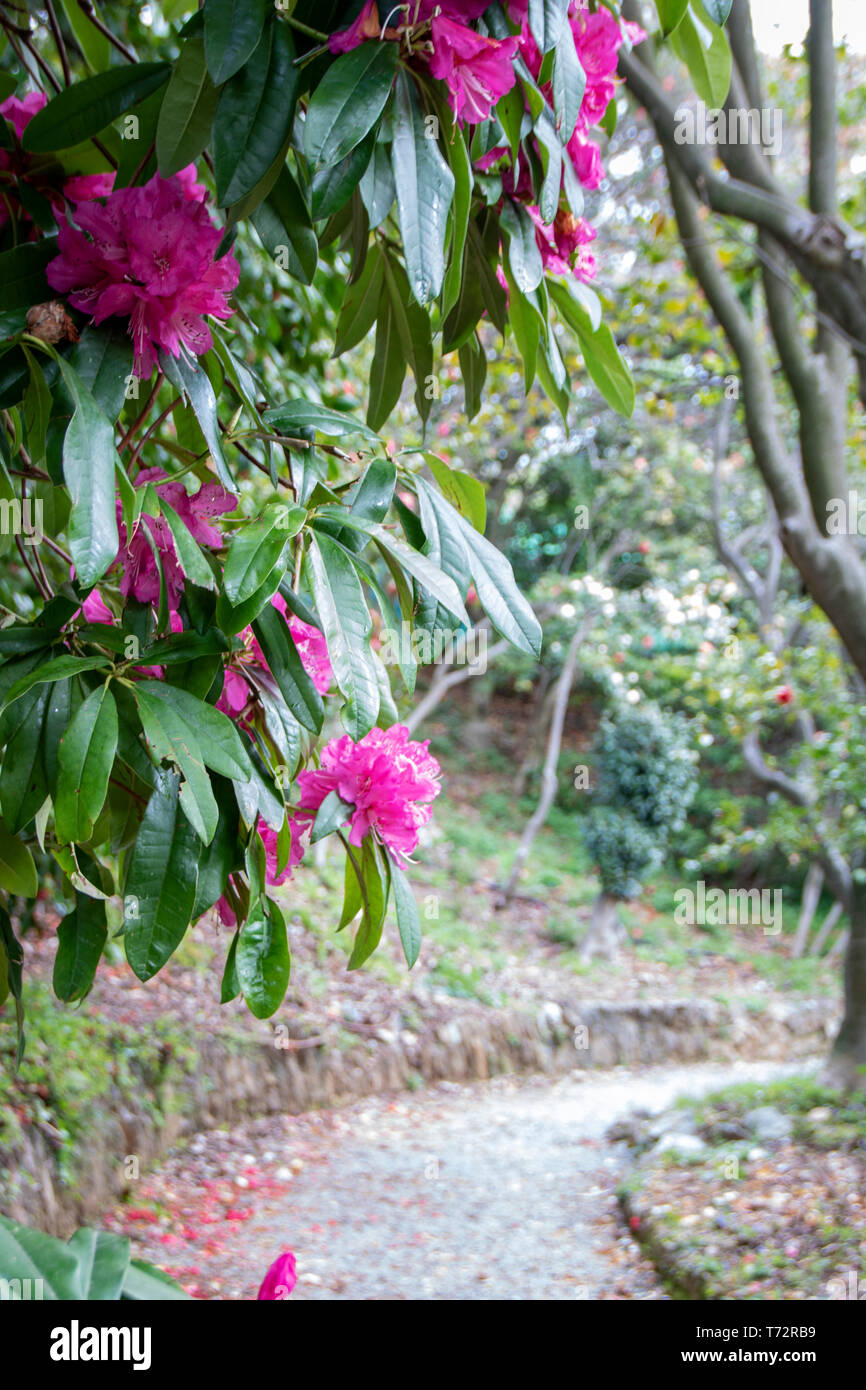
column 500, row 1190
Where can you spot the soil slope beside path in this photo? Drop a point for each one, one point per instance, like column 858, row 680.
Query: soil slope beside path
column 503, row 1190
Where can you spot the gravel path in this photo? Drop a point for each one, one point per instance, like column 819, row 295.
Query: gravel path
column 502, row 1190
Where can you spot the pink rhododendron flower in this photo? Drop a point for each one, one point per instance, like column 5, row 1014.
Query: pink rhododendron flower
column 586, row 158
column 280, row 1279
column 147, row 254
column 563, row 244
column 312, row 649
column 19, row 111
column 476, row 69
column 365, row 27
column 140, row 570
column 95, row 609
column 268, row 838
column 388, row 778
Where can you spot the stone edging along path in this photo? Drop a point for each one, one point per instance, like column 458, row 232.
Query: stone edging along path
column 233, row 1076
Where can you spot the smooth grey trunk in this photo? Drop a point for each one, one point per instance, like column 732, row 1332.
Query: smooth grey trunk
column 606, row 933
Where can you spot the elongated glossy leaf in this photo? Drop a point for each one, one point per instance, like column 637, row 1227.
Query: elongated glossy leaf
column 89, row 460
column 704, row 48
column 283, row 222
column 606, row 367
column 523, row 254
column 348, row 101
column 408, row 921
column 377, row 187
column 388, row 367
column 17, row 870
column 333, row 184
column 332, row 813
column 29, row 1254
column 161, row 882
column 23, row 785
column 187, row 110
column 375, row 872
column 262, row 961
column 222, row 747
column 194, row 383
column 103, row 1261
column 256, row 549
column 360, row 304
column 305, row 415
column 498, row 593
column 425, row 187
column 462, row 490
column 145, row 1283
column 717, row 10
column 254, row 116
column 546, row 19
column 169, row 735
column 287, row 669
column 86, row 107
column 57, row 669
column 84, row 763
column 569, row 84
column 81, row 937
column 346, row 623
column 670, row 13
column 232, row 30
column 192, row 562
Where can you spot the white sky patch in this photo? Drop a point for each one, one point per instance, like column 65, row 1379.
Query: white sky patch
column 780, row 22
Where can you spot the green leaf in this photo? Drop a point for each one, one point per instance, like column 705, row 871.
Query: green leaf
column 161, row 882
column 285, row 665
column 439, row 585
column 84, row 762
column 425, row 187
column 187, row 110
column 262, row 961
column 462, row 490
column 81, row 937
column 717, row 10
column 349, row 101
column 346, row 623
column 89, row 460
column 286, row 230
column 375, row 874
column 372, row 497
column 17, row 870
column 408, row 921
column 103, row 360
column 706, row 52
column 331, row 815
column 195, row 384
column 524, row 257
column 87, row 107
column 232, row 30
column 360, row 303
column 22, row 274
column 352, row 899
column 498, row 593
column 230, row 985
column 23, row 785
column 57, row 669
column 192, row 562
column 377, row 187
column 223, row 749
column 461, row 167
column 169, row 735
column 254, row 116
column 546, row 18
column 388, row 367
column 309, row 415
column 569, row 84
column 103, row 1259
column 605, row 365
column 670, row 13
column 415, row 332
column 95, row 47
column 257, row 548
column 29, row 1254
column 333, row 184
column 145, row 1283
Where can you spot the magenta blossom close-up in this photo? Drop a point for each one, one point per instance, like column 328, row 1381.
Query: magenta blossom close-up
column 147, row 254
column 136, row 553
column 312, row 649
column 388, row 778
column 280, row 1279
column 476, row 69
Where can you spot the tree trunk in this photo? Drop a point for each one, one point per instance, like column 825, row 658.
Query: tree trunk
column 846, row 1067
column 606, row 933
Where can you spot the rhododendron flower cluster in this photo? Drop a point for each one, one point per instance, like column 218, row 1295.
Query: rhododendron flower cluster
column 147, row 254
column 388, row 778
column 136, row 553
